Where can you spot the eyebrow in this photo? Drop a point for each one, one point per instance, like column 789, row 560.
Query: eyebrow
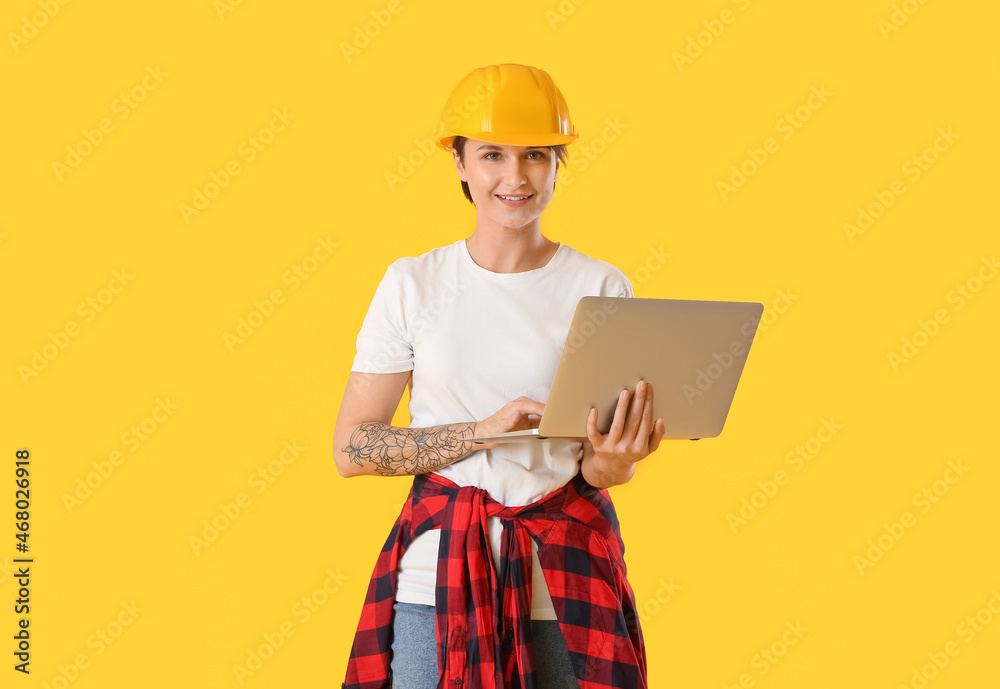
column 494, row 147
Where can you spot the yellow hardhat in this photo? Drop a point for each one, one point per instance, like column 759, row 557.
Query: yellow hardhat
column 513, row 105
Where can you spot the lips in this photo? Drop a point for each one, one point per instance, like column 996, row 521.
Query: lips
column 514, row 200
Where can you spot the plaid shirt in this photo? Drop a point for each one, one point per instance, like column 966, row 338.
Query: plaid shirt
column 483, row 611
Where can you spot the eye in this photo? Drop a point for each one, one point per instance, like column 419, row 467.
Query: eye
column 539, row 155
column 491, row 153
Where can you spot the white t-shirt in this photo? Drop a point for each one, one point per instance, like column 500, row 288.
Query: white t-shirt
column 476, row 340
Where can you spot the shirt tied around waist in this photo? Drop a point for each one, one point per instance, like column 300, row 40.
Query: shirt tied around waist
column 483, row 607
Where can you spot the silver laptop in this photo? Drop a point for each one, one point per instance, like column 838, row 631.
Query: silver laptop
column 691, row 352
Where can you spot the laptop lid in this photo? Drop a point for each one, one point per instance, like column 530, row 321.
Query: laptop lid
column 691, row 352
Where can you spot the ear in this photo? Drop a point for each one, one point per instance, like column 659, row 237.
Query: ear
column 459, row 167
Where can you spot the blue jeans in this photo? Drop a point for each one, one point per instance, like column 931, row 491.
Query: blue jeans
column 414, row 651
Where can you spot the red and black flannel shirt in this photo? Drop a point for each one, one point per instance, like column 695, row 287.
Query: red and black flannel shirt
column 581, row 554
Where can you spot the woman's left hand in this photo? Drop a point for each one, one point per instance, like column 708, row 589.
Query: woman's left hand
column 610, row 459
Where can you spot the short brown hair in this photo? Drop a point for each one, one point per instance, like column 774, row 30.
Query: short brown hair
column 459, row 145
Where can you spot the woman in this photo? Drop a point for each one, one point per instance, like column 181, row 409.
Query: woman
column 505, row 566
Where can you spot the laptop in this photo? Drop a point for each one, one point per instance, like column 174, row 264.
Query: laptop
column 691, row 352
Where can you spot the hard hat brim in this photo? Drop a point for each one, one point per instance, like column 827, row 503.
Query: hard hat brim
column 542, row 139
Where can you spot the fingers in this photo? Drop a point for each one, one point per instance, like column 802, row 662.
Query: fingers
column 519, row 414
column 634, row 434
column 636, row 412
column 523, row 413
column 659, row 430
column 641, row 434
column 650, row 434
column 526, row 405
column 618, row 422
column 646, row 424
column 592, row 435
column 632, row 425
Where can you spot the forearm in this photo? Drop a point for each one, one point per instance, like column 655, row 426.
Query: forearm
column 378, row 449
column 602, row 474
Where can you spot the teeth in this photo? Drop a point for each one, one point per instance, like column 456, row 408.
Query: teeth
column 513, row 198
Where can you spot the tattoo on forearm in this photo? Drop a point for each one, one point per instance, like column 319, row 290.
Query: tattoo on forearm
column 396, row 451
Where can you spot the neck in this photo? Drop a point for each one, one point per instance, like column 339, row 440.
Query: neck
column 510, row 250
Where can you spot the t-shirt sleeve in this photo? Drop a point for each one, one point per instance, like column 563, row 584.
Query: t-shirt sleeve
column 383, row 346
column 626, row 288
column 616, row 283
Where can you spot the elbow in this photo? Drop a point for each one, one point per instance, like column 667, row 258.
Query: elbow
column 345, row 467
column 341, row 435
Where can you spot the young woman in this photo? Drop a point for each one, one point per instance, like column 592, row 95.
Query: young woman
column 505, row 566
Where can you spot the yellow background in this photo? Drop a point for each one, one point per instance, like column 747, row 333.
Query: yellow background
column 713, row 596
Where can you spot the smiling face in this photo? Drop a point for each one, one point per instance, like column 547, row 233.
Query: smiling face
column 510, row 185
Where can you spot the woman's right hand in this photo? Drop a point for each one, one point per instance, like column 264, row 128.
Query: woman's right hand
column 517, row 415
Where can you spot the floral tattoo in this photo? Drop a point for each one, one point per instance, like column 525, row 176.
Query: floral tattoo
column 396, row 451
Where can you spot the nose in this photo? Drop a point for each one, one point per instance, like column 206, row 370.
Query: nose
column 515, row 176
